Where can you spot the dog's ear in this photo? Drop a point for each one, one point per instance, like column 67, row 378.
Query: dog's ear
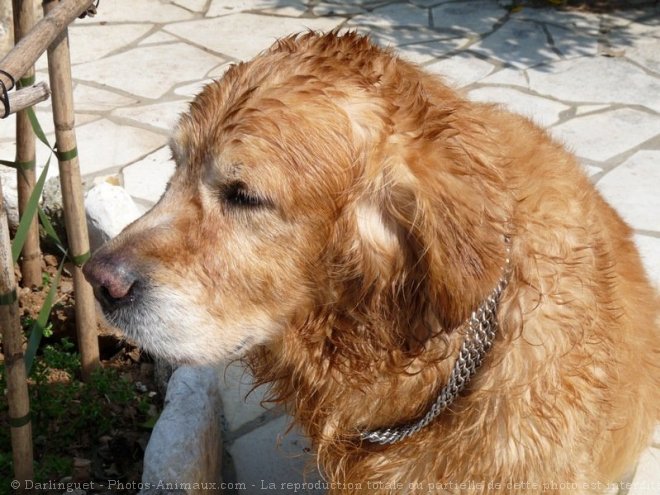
column 435, row 221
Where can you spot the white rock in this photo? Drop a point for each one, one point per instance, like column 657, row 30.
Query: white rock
column 109, row 210
column 186, row 444
column 147, row 178
column 10, row 194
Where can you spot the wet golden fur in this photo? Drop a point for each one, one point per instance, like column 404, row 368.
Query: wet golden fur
column 385, row 197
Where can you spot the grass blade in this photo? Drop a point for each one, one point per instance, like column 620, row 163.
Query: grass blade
column 37, row 328
column 36, row 127
column 28, row 214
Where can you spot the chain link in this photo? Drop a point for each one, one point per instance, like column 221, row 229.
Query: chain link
column 482, row 327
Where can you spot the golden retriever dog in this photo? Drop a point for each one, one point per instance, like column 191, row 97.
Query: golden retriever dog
column 432, row 286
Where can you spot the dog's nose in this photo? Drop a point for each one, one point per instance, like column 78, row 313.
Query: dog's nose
column 114, row 280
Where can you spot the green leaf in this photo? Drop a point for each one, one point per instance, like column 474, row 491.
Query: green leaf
column 8, row 163
column 39, row 325
column 50, row 231
column 36, row 127
column 150, row 423
column 28, row 214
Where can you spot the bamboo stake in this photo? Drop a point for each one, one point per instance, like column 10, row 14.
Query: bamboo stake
column 59, row 70
column 26, row 97
column 24, row 20
column 12, row 341
column 27, row 51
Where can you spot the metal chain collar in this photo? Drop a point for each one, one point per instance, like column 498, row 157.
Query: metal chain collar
column 482, row 326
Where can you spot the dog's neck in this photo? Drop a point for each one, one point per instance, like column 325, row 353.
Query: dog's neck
column 480, row 329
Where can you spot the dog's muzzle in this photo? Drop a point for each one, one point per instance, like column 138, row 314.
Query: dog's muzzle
column 115, row 281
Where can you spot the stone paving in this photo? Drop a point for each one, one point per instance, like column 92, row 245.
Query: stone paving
column 593, row 79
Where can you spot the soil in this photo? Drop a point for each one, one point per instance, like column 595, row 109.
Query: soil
column 114, row 455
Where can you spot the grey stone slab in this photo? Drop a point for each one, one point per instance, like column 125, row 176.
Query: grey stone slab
column 242, row 403
column 147, row 179
column 186, row 443
column 573, row 44
column 90, row 99
column 280, row 7
column 508, row 76
column 192, row 5
column 632, row 188
column 268, row 458
column 324, row 8
column 398, row 14
column 461, row 70
column 591, row 170
column 93, row 42
column 646, row 52
column 471, row 17
column 425, row 52
column 543, row 111
column 604, row 135
column 192, row 89
column 585, row 109
column 153, row 11
column 242, row 36
column 647, row 476
column 596, row 80
column 391, row 36
column 569, row 19
column 649, row 249
column 149, row 71
column 103, row 144
column 158, row 38
column 219, row 71
column 429, row 3
column 163, row 115
column 519, row 44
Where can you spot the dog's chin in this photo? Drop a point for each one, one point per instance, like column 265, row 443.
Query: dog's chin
column 181, row 339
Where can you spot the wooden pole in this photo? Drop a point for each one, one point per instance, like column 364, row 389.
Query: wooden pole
column 12, row 342
column 26, row 97
column 27, row 51
column 59, row 70
column 30, row 260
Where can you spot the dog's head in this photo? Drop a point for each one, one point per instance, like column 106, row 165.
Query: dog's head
column 310, row 183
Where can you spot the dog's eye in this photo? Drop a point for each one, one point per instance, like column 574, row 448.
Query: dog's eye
column 237, row 194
